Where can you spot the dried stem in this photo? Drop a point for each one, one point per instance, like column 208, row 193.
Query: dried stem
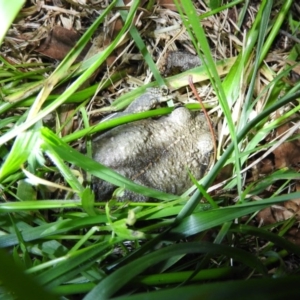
column 191, row 83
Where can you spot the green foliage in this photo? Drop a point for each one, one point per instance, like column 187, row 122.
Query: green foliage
column 8, row 12
column 78, row 246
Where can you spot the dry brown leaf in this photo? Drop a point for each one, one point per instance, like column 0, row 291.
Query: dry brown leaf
column 293, row 235
column 266, row 167
column 294, row 205
column 265, row 217
column 288, row 153
column 274, row 214
column 281, row 212
column 65, row 115
column 59, row 43
column 170, row 4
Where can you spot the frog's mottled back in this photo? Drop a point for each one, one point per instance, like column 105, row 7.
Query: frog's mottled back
column 156, row 153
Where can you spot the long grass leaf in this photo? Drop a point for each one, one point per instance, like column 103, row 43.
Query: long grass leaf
column 258, row 289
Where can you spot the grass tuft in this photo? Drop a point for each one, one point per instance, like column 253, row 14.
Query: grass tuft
column 239, row 221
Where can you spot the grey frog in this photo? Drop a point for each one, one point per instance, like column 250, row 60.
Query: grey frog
column 155, row 153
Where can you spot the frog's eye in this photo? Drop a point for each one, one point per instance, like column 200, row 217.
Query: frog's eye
column 164, row 90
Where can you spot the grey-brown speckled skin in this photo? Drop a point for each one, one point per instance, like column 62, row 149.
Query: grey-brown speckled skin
column 155, row 153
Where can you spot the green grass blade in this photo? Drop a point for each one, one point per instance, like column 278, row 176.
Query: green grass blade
column 277, row 23
column 18, row 284
column 45, row 230
column 72, row 264
column 262, row 31
column 115, row 122
column 258, row 289
column 111, row 284
column 268, row 236
column 37, row 205
column 201, row 43
column 201, row 221
column 143, row 49
column 8, row 12
column 25, row 145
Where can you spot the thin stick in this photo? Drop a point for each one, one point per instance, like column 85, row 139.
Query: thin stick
column 191, row 83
